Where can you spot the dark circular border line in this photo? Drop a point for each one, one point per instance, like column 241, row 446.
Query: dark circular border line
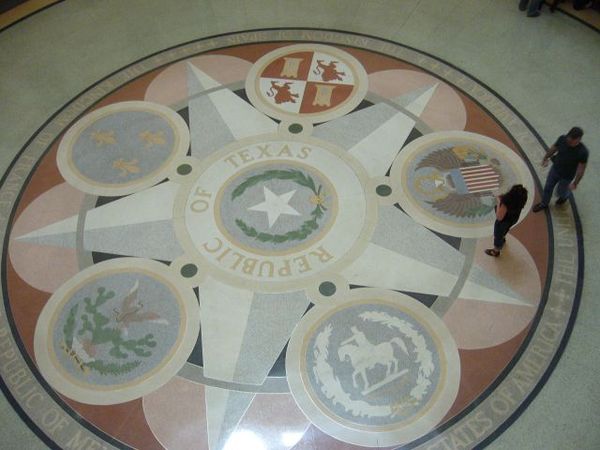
column 27, row 16
column 574, row 17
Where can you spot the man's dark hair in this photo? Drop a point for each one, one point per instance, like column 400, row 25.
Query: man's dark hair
column 575, row 133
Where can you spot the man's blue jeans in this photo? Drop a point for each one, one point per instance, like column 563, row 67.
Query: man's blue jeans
column 534, row 5
column 561, row 184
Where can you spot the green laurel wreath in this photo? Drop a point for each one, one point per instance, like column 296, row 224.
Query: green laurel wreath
column 293, row 235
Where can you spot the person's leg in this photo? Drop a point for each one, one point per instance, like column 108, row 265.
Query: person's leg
column 563, row 191
column 551, row 182
column 534, row 8
column 581, row 4
column 523, row 4
column 500, row 230
column 499, row 241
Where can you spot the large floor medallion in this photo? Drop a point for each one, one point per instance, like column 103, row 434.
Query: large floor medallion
column 279, row 245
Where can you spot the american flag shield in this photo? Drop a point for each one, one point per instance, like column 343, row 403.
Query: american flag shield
column 480, row 178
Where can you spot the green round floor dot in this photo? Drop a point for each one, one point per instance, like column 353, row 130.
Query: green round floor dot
column 327, row 288
column 295, row 128
column 383, row 190
column 189, row 270
column 184, row 169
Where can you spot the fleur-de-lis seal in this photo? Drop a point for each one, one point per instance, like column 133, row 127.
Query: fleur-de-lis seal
column 102, row 138
column 151, row 139
column 126, row 167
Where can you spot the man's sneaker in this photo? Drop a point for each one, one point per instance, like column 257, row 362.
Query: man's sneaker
column 561, row 201
column 538, row 207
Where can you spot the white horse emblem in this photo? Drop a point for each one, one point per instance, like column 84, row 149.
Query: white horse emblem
column 363, row 356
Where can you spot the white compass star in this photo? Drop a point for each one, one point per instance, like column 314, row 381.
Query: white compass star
column 275, row 205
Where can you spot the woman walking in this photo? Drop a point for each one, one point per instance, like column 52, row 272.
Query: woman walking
column 508, row 210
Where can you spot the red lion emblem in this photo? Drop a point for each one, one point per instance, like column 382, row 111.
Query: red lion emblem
column 329, row 71
column 282, row 93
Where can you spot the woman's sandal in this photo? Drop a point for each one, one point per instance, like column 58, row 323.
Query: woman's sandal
column 492, row 252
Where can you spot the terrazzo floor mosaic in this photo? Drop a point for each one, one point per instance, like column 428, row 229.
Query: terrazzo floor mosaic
column 259, row 241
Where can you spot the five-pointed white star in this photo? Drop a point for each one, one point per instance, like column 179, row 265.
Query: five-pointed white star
column 275, row 205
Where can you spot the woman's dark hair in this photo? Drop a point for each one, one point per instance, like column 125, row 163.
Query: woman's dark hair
column 516, row 198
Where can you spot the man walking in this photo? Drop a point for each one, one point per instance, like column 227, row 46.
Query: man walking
column 569, row 157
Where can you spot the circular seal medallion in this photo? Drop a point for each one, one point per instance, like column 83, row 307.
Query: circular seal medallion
column 306, row 82
column 448, row 181
column 122, row 148
column 268, row 211
column 116, row 332
column 376, row 369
